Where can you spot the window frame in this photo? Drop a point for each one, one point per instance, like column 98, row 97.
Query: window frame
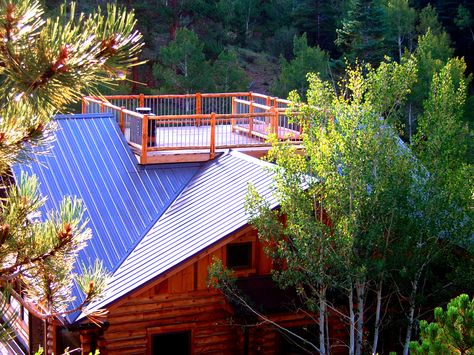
column 243, row 271
column 152, row 331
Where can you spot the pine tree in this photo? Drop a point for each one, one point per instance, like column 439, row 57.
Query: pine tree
column 452, row 332
column 293, row 74
column 361, row 35
column 227, row 74
column 182, row 66
column 45, row 65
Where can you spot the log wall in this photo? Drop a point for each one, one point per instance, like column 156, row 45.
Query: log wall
column 181, row 301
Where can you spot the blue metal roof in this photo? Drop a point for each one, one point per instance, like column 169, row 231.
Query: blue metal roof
column 90, row 159
column 209, row 208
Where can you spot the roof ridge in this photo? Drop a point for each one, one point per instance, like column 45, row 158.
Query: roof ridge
column 83, row 115
column 152, row 223
column 251, row 159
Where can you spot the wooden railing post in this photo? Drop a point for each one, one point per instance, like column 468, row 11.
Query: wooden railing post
column 102, row 108
column 212, row 153
column 143, row 157
column 84, row 105
column 141, row 100
column 198, row 108
column 250, row 95
column 274, row 121
column 234, row 111
column 122, row 120
column 250, row 118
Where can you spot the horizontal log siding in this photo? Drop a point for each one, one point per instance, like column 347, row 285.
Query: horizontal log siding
column 206, row 313
column 183, row 301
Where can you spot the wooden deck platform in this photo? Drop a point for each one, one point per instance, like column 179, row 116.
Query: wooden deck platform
column 194, row 127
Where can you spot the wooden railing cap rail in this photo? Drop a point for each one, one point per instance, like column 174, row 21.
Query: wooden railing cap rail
column 254, row 104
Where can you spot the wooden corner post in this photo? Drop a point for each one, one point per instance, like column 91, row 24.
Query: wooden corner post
column 234, row 111
column 143, row 156
column 198, row 108
column 84, row 105
column 122, row 120
column 274, row 121
column 250, row 118
column 212, row 148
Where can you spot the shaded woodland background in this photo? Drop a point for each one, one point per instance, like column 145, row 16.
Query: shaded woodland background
column 258, row 37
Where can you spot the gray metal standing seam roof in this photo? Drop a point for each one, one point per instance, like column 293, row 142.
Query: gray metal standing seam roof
column 90, row 159
column 209, row 208
column 145, row 220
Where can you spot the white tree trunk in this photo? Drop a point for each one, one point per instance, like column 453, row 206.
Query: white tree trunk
column 322, row 320
column 411, row 314
column 328, row 345
column 377, row 318
column 360, row 292
column 351, row 321
column 400, row 41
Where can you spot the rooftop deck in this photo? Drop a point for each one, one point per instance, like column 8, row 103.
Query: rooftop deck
column 194, row 127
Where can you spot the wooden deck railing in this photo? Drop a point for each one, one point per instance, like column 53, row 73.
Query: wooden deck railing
column 196, row 123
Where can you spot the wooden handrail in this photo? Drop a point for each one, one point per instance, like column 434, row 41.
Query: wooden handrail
column 208, row 116
column 250, row 119
column 274, row 121
column 283, row 101
column 246, row 102
column 262, row 96
column 132, row 113
column 174, row 96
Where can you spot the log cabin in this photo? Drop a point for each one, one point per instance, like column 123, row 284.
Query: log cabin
column 164, row 189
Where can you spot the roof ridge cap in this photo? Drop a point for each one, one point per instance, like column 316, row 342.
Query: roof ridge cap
column 251, row 159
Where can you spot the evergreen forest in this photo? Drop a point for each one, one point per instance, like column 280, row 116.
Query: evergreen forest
column 270, row 46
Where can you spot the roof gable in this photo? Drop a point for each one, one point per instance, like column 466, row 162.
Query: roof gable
column 208, row 209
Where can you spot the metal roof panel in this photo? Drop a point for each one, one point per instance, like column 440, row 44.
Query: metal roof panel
column 90, row 159
column 208, row 209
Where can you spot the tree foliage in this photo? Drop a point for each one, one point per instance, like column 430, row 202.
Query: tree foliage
column 452, row 331
column 47, row 64
column 401, row 24
column 228, row 76
column 293, row 74
column 183, row 67
column 346, row 201
column 363, row 212
column 361, row 35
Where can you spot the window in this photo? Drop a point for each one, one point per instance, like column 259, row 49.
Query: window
column 239, row 255
column 175, row 343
